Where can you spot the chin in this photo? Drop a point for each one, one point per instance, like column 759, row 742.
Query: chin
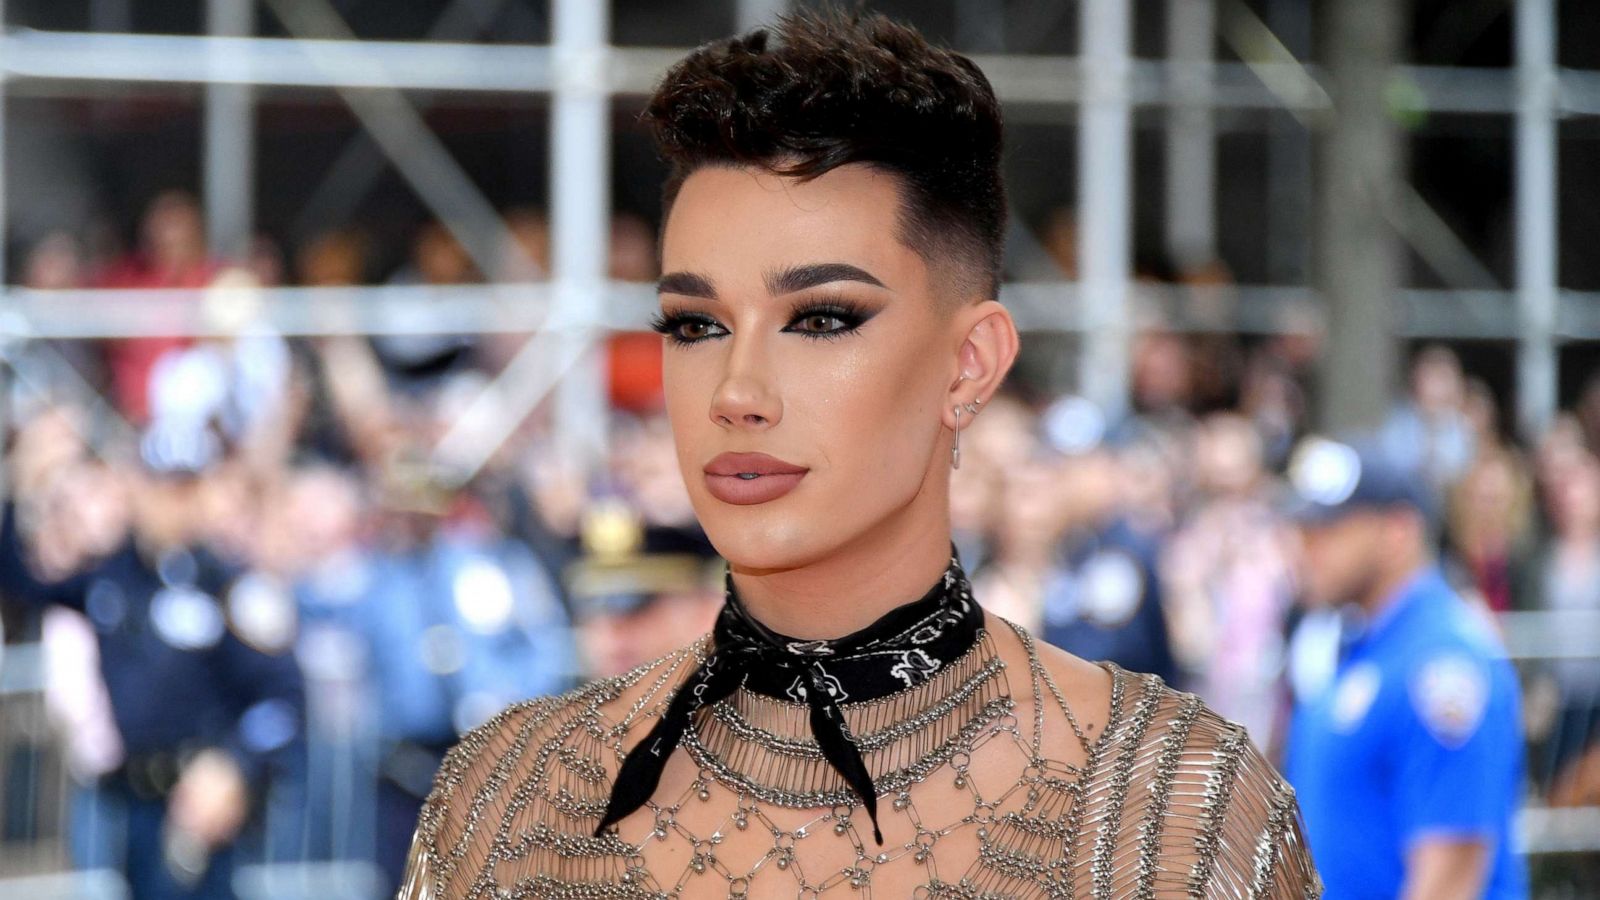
column 770, row 536
column 776, row 543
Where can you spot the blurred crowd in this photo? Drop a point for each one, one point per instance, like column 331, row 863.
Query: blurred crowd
column 267, row 611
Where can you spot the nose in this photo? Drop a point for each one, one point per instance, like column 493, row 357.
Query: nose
column 744, row 398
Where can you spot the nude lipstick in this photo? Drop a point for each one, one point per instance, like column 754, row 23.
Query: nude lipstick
column 744, row 479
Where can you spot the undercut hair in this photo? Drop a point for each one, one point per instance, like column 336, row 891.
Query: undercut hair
column 821, row 90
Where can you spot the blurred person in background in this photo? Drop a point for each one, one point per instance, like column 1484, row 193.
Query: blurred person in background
column 1483, row 415
column 1408, row 761
column 1102, row 597
column 456, row 622
column 523, row 258
column 1569, row 581
column 1586, row 411
column 205, row 697
column 1275, row 403
column 639, row 592
column 993, row 445
column 55, row 263
column 527, row 258
column 1429, row 432
column 437, row 260
column 314, row 544
column 1489, row 529
column 975, row 491
column 1162, row 376
column 172, row 253
column 336, row 258
column 645, row 466
column 1228, row 582
column 1562, row 451
column 632, row 249
column 1027, row 532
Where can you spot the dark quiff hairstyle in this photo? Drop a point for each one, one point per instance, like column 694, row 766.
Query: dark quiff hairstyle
column 823, row 89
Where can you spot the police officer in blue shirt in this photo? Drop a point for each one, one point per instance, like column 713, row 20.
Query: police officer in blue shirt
column 1408, row 757
column 204, row 691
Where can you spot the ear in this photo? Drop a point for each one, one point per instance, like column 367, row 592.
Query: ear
column 988, row 349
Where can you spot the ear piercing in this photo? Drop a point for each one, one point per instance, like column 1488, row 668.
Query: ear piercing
column 955, row 449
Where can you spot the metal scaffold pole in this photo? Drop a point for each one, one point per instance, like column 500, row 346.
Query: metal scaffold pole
column 230, row 139
column 580, row 184
column 1537, row 214
column 1191, row 186
column 1104, row 192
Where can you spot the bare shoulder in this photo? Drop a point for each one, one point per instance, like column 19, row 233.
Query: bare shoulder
column 1084, row 687
column 538, row 761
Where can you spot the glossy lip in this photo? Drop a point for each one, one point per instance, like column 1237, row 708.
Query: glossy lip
column 773, row 478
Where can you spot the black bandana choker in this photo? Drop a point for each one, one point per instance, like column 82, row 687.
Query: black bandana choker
column 903, row 649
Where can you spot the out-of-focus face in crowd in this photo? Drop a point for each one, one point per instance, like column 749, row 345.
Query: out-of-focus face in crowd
column 440, row 258
column 615, row 642
column 1031, row 510
column 55, row 263
column 85, row 512
column 1437, row 383
column 335, row 259
column 173, row 232
column 647, row 461
column 1575, row 500
column 169, row 510
column 316, row 514
column 1227, row 455
column 1338, row 557
column 1092, row 486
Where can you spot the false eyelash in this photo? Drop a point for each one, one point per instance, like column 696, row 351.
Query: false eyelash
column 851, row 313
column 668, row 323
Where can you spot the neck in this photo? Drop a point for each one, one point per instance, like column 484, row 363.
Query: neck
column 850, row 587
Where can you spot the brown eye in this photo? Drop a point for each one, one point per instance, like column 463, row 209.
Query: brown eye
column 827, row 321
column 821, row 324
column 685, row 329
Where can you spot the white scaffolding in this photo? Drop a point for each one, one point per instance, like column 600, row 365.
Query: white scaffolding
column 580, row 71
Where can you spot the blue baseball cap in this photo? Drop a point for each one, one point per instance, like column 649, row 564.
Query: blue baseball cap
column 1329, row 479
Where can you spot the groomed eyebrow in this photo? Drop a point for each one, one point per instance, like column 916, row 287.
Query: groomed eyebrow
column 798, row 278
column 686, row 283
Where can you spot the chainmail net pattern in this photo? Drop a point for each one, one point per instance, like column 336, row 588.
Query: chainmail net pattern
column 1168, row 800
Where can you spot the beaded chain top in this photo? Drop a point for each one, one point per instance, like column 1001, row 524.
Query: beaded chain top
column 984, row 792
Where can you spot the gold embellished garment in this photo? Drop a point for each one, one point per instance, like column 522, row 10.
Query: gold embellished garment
column 984, row 791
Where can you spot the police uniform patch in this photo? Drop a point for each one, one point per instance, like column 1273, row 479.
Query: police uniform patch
column 1353, row 698
column 1112, row 586
column 1450, row 694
